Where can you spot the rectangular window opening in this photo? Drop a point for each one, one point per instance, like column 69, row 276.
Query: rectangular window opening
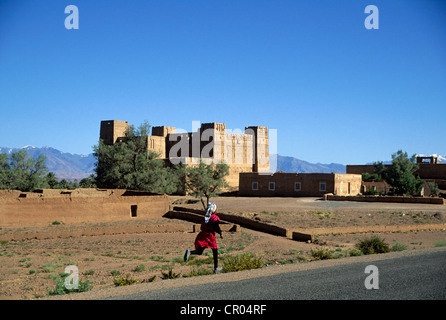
column 255, row 186
column 134, row 210
column 272, row 186
column 322, row 186
column 297, row 186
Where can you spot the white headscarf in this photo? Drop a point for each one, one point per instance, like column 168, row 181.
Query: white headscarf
column 212, row 208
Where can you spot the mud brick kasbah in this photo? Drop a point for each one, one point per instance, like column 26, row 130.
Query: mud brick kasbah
column 243, row 152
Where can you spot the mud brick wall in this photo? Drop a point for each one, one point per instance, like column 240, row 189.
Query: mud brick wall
column 36, row 209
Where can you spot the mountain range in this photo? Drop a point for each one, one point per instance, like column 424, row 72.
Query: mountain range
column 64, row 165
column 75, row 166
column 291, row 164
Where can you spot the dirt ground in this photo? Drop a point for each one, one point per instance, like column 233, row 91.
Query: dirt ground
column 32, row 259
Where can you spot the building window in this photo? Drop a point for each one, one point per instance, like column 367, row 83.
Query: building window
column 255, row 186
column 297, row 186
column 322, row 186
column 272, row 186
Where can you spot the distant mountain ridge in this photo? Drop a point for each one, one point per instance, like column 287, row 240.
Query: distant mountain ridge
column 64, row 165
column 291, row 164
column 76, row 166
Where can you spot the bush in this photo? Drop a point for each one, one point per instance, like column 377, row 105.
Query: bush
column 434, row 189
column 124, row 281
column 354, row 253
column 321, row 254
column 128, row 280
column 399, row 247
column 61, row 288
column 245, row 261
column 140, row 268
column 372, row 245
column 197, row 272
column 169, row 275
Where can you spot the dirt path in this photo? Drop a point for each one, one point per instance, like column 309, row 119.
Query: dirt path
column 32, row 258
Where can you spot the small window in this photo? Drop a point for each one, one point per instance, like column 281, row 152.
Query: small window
column 272, row 186
column 255, row 186
column 134, row 211
column 322, row 186
column 297, row 186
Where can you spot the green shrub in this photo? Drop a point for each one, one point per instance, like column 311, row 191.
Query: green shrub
column 124, row 281
column 354, row 253
column 61, row 288
column 245, row 261
column 128, row 280
column 440, row 244
column 399, row 247
column 169, row 275
column 50, row 267
column 140, row 268
column 435, row 190
column 198, row 272
column 115, row 273
column 321, row 254
column 372, row 245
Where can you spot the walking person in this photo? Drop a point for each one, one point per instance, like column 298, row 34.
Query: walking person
column 206, row 238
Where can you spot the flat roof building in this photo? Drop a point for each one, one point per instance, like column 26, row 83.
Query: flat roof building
column 298, row 184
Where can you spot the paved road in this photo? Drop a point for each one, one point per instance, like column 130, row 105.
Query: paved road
column 418, row 277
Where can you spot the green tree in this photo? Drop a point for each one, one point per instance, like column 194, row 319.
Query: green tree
column 380, row 171
column 22, row 172
column 89, row 182
column 4, row 171
column 129, row 165
column 51, row 180
column 401, row 176
column 206, row 180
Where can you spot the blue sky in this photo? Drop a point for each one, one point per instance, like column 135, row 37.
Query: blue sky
column 335, row 91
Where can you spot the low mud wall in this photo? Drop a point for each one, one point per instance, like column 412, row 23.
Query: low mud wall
column 244, row 222
column 368, row 229
column 198, row 218
column 426, row 200
column 30, row 209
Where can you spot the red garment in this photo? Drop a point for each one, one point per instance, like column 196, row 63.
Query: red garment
column 206, row 237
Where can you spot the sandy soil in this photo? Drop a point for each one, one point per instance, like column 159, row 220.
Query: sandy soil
column 32, row 258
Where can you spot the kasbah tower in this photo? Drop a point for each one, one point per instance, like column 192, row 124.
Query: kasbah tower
column 242, row 152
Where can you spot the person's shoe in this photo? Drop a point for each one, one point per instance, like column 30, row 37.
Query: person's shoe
column 217, row 270
column 186, row 255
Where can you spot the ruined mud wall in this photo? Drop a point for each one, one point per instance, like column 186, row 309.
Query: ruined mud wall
column 33, row 209
column 397, row 199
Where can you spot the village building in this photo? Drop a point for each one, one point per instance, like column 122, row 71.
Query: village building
column 287, row 184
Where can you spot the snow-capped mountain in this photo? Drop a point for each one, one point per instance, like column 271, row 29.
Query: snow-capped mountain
column 64, row 165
